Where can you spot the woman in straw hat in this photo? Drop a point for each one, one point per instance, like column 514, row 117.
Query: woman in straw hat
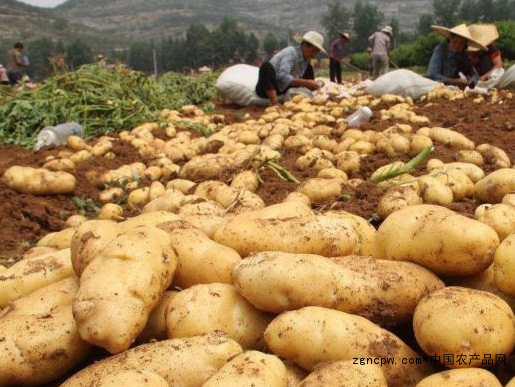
column 290, row 67
column 485, row 62
column 337, row 54
column 450, row 63
column 380, row 46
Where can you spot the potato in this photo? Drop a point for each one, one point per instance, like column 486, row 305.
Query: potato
column 279, row 211
column 76, row 143
column 346, row 373
column 180, row 184
column 396, row 199
column 2, row 268
column 33, row 181
column 297, row 197
column 200, row 260
column 509, row 199
column 494, row 156
column 495, row 186
column 385, row 292
column 152, row 218
column 246, row 180
column 31, row 274
column 511, row 383
column 501, row 217
column 65, row 165
column 504, row 266
column 471, row 157
column 460, row 184
column 332, row 173
column 57, row 240
column 171, row 201
column 36, row 349
column 110, row 211
column 75, row 221
column 88, row 240
column 314, row 335
column 363, row 148
column 472, row 171
column 251, row 368
column 437, row 238
column 240, row 200
column 156, row 190
column 181, row 362
column 420, row 142
column 37, row 251
column 448, row 137
column 348, row 162
column 320, row 190
column 138, row 198
column 135, row 378
column 366, row 232
column 304, row 235
column 152, row 173
column 122, row 285
column 156, row 324
column 101, row 148
column 461, row 378
column 434, row 191
column 111, row 195
column 81, row 157
column 294, row 374
column 207, row 308
column 459, row 321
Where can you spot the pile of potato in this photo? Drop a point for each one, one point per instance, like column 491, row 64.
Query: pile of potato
column 209, row 287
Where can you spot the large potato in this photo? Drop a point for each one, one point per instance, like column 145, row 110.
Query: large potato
column 461, row 378
column 385, row 292
column 294, row 373
column 459, row 321
column 504, row 266
column 156, row 325
column 31, row 274
column 200, row 260
column 304, row 235
column 284, row 210
column 153, row 218
column 314, row 335
column 182, row 362
column 134, row 378
column 366, row 232
column 207, row 308
column 501, row 217
column 38, row 181
column 320, row 190
column 396, row 199
column 346, row 373
column 251, row 368
column 495, row 186
column 122, row 285
column 57, row 240
column 438, row 239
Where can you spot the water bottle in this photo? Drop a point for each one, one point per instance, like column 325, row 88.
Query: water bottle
column 359, row 117
column 57, row 135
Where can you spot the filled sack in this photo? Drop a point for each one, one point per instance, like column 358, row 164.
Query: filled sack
column 402, row 82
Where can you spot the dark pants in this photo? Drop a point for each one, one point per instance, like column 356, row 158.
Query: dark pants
column 268, row 80
column 335, row 71
column 14, row 77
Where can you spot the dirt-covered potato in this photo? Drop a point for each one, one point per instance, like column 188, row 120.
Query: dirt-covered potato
column 346, row 373
column 504, row 266
column 320, row 190
column 76, row 143
column 121, row 286
column 110, row 211
column 320, row 235
column 366, row 232
column 396, row 199
column 314, row 335
column 75, row 221
column 471, row 156
column 181, row 362
column 448, row 137
column 385, row 292
column 156, row 325
column 246, row 180
column 437, row 238
column 251, row 368
column 64, row 165
column 495, row 186
column 152, row 218
column 31, row 274
column 434, row 191
column 38, row 181
column 203, row 309
column 37, row 251
column 200, row 260
column 297, row 197
column 501, row 217
column 461, row 378
column 460, row 321
column 58, row 240
column 495, row 156
column 294, row 373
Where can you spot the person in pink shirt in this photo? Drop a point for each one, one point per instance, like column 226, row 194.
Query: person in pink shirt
column 337, row 55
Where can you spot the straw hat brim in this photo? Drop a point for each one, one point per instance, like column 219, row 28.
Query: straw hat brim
column 345, row 35
column 300, row 39
column 460, row 30
column 485, row 34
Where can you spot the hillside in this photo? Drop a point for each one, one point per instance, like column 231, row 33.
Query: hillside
column 146, row 19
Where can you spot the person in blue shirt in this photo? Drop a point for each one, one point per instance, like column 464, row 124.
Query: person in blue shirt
column 290, row 67
column 450, row 63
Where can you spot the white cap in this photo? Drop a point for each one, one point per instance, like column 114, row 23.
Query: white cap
column 315, row 39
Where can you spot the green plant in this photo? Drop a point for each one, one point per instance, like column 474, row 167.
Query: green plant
column 360, row 60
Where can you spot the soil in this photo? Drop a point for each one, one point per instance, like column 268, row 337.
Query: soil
column 25, row 218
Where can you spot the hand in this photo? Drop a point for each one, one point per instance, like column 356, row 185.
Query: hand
column 463, row 83
column 484, row 78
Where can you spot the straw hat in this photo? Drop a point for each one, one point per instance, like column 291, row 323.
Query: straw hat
column 460, row 30
column 485, row 34
column 388, row 30
column 100, row 56
column 345, row 35
column 313, row 38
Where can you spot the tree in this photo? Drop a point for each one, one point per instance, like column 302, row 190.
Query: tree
column 446, row 12
column 252, row 48
column 197, row 45
column 336, row 19
column 468, row 12
column 270, row 44
column 424, row 23
column 486, row 10
column 367, row 20
column 39, row 52
column 141, row 57
column 78, row 53
column 394, row 23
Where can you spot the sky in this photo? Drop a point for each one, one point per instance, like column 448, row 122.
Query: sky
column 43, row 3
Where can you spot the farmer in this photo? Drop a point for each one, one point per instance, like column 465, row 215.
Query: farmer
column 337, row 55
column 290, row 67
column 451, row 58
column 4, row 80
column 15, row 64
column 379, row 43
column 485, row 62
column 101, row 62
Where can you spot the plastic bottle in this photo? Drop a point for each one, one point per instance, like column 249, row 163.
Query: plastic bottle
column 57, row 135
column 359, row 117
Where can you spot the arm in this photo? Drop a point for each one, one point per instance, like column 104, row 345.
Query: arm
column 19, row 62
column 497, row 64
column 434, row 70
column 309, row 83
column 284, row 74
